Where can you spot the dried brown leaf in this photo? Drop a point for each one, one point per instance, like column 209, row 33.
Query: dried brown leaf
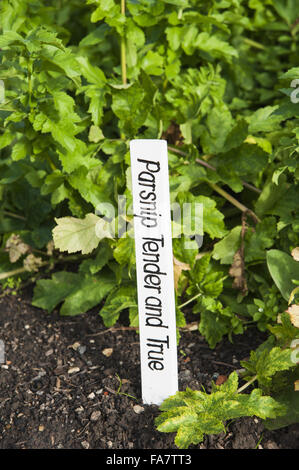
column 32, row 263
column 16, row 247
column 237, row 271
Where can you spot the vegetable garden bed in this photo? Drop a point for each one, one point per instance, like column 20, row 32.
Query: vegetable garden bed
column 45, row 405
column 219, row 81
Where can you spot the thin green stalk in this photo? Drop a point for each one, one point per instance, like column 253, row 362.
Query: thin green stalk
column 247, row 384
column 228, row 197
column 123, row 56
column 255, row 44
column 221, row 191
column 29, row 68
column 259, row 441
column 189, row 301
column 16, row 216
column 11, row 273
column 52, row 166
column 123, row 53
column 234, row 201
column 118, row 392
column 44, row 263
column 211, row 167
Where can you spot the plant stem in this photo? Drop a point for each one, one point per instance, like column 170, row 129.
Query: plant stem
column 211, row 167
column 44, row 263
column 123, row 48
column 189, row 301
column 247, row 384
column 255, row 44
column 16, row 216
column 221, row 191
column 234, row 201
column 229, row 198
column 29, row 68
column 52, row 166
column 12, row 273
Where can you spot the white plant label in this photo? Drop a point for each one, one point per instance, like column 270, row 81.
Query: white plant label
column 154, row 265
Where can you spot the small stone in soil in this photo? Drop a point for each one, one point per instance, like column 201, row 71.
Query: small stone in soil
column 107, row 352
column 95, row 415
column 79, row 409
column 184, row 374
column 138, row 409
column 73, row 370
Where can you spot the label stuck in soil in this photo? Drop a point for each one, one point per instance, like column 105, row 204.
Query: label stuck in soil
column 154, row 265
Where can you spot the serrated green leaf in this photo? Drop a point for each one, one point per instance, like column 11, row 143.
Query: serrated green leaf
column 263, row 120
column 120, row 299
column 95, row 134
column 212, row 326
column 95, row 37
column 19, row 150
column 88, row 293
column 78, row 292
column 124, row 252
column 94, row 265
column 263, row 238
column 11, row 38
column 48, row 293
column 83, row 235
column 225, row 249
column 215, row 46
column 193, row 414
column 289, row 399
column 265, row 363
column 92, row 73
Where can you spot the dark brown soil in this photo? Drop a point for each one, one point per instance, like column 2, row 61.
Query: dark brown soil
column 58, row 389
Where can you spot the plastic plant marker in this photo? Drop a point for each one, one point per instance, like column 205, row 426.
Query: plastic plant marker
column 154, row 265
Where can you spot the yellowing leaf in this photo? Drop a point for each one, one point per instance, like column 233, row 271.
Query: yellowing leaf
column 192, row 414
column 83, row 235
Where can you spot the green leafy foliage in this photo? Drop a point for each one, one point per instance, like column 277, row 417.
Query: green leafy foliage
column 283, row 269
column 218, row 80
column 78, row 292
column 118, row 300
column 192, row 414
column 71, row 234
column 290, row 400
column 265, row 362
